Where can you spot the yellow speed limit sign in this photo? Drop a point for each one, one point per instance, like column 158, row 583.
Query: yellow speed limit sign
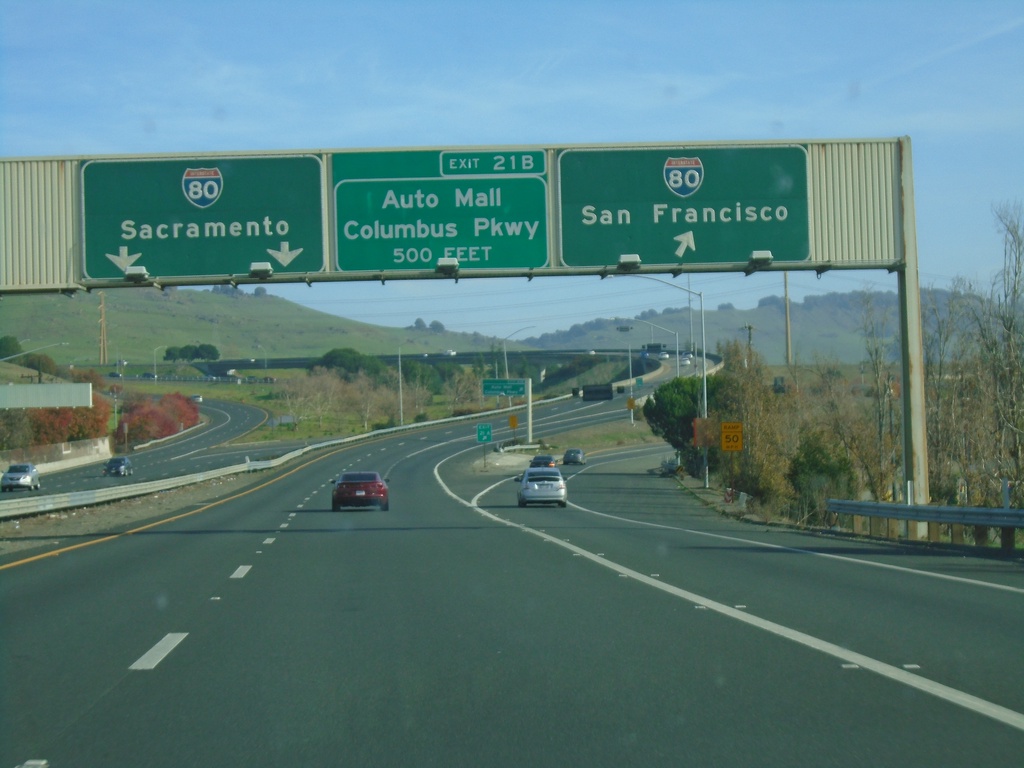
column 732, row 435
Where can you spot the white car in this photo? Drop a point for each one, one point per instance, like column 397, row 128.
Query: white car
column 20, row 476
column 542, row 485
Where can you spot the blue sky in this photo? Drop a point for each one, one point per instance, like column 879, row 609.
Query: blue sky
column 113, row 77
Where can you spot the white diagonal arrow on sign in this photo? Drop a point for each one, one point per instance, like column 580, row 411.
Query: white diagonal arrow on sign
column 285, row 255
column 685, row 241
column 123, row 259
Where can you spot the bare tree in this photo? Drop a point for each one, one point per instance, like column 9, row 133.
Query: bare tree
column 417, row 393
column 364, row 398
column 943, row 371
column 461, row 388
column 884, row 394
column 997, row 325
column 745, row 395
column 293, row 393
column 849, row 420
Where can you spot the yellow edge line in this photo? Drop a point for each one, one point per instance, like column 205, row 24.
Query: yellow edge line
column 141, row 528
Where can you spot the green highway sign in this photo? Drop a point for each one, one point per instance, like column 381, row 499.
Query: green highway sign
column 504, row 387
column 683, row 205
column 406, row 210
column 483, row 433
column 198, row 217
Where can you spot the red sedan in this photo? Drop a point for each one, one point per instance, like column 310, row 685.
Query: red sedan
column 360, row 489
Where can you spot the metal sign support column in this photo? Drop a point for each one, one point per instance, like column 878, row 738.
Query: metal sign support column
column 529, row 411
column 915, row 441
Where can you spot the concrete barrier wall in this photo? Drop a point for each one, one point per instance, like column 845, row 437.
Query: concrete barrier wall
column 61, row 456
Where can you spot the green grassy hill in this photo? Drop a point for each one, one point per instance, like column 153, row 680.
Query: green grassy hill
column 244, row 325
column 240, row 326
column 822, row 327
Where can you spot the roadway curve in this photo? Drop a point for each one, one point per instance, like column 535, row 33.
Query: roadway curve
column 634, row 627
column 198, row 450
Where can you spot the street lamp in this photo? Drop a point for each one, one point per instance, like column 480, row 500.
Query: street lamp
column 37, row 349
column 629, row 355
column 504, row 351
column 666, row 330
column 260, row 346
column 703, row 355
column 155, row 350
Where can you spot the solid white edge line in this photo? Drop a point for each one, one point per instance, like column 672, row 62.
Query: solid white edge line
column 826, row 555
column 158, row 652
column 952, row 695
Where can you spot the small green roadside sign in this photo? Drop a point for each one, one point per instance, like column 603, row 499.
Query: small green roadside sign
column 504, row 387
column 407, row 210
column 683, row 205
column 483, row 433
column 206, row 216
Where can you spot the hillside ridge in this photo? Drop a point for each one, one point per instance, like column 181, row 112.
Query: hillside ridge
column 141, row 324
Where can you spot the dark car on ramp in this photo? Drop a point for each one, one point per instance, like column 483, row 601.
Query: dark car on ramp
column 119, row 466
column 574, row 456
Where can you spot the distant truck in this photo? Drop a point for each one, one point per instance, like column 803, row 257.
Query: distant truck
column 597, row 392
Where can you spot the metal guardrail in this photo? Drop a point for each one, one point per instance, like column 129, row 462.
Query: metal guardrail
column 986, row 516
column 34, row 504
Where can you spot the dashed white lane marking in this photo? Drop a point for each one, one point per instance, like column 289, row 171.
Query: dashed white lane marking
column 240, row 571
column 283, row 525
column 269, row 541
column 159, row 652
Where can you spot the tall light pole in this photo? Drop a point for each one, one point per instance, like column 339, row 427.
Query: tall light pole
column 401, row 404
column 689, row 312
column 504, row 354
column 666, row 330
column 504, row 351
column 261, row 347
column 629, row 355
column 37, row 349
column 155, row 350
column 703, row 355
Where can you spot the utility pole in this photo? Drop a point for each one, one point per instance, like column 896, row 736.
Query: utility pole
column 750, row 342
column 789, row 327
column 103, row 328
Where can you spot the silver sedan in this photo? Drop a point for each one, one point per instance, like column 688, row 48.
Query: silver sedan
column 20, row 476
column 542, row 485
